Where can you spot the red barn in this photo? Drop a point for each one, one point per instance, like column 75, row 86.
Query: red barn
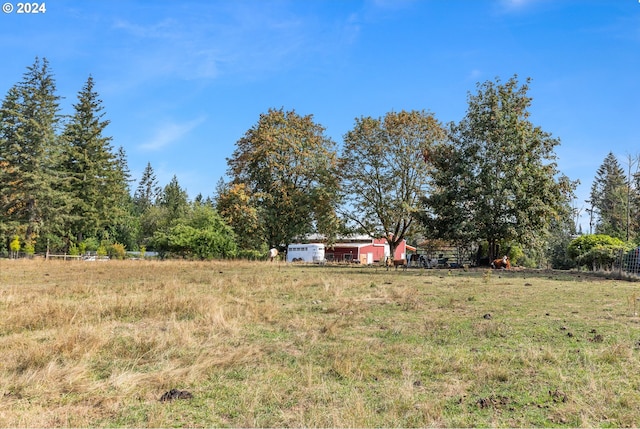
column 364, row 249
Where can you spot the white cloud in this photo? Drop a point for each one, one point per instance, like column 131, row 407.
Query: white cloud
column 170, row 133
column 249, row 40
column 165, row 48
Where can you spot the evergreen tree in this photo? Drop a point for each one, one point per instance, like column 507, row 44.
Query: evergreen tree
column 171, row 207
column 30, row 155
column 175, row 200
column 122, row 166
column 633, row 197
column 127, row 224
column 148, row 191
column 561, row 231
column 609, row 198
column 635, row 206
column 496, row 178
column 94, row 180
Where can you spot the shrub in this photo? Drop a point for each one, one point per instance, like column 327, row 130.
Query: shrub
column 205, row 243
column 29, row 248
column 559, row 257
column 14, row 246
column 91, row 244
column 526, row 261
column 202, row 235
column 251, row 255
column 117, row 251
column 516, row 255
column 73, row 250
column 595, row 251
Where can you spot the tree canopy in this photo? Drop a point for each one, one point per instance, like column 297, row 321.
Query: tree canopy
column 288, row 167
column 235, row 205
column 596, row 251
column 94, row 181
column 613, row 199
column 496, row 178
column 491, row 177
column 384, row 174
column 200, row 233
column 30, row 155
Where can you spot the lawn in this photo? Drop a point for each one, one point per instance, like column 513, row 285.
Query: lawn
column 258, row 344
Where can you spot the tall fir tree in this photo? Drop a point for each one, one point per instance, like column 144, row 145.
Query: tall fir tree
column 30, row 153
column 95, row 181
column 175, row 200
column 125, row 229
column 122, row 167
column 609, row 198
column 147, row 192
column 635, row 204
column 633, row 197
column 146, row 208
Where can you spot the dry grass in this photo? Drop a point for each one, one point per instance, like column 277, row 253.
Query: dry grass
column 258, row 344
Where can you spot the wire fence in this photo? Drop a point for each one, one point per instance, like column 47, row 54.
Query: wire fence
column 631, row 262
column 628, row 263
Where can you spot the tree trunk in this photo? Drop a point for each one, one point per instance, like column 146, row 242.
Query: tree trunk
column 392, row 249
column 492, row 249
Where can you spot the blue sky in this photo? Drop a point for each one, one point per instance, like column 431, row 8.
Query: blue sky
column 182, row 81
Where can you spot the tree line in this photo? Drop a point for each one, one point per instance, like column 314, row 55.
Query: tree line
column 65, row 188
column 490, row 178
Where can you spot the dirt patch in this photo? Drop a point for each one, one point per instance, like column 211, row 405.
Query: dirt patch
column 175, row 394
column 493, row 402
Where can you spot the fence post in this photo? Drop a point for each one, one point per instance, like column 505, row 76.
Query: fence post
column 620, row 262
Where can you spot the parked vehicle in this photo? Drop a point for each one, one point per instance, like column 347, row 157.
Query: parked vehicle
column 306, row 252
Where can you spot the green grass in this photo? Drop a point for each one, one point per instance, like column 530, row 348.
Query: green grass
column 258, row 344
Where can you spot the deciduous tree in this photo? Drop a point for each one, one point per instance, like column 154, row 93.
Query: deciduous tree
column 288, row 167
column 201, row 234
column 240, row 211
column 384, row 172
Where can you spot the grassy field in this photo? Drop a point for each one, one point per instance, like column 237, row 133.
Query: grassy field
column 259, row 344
